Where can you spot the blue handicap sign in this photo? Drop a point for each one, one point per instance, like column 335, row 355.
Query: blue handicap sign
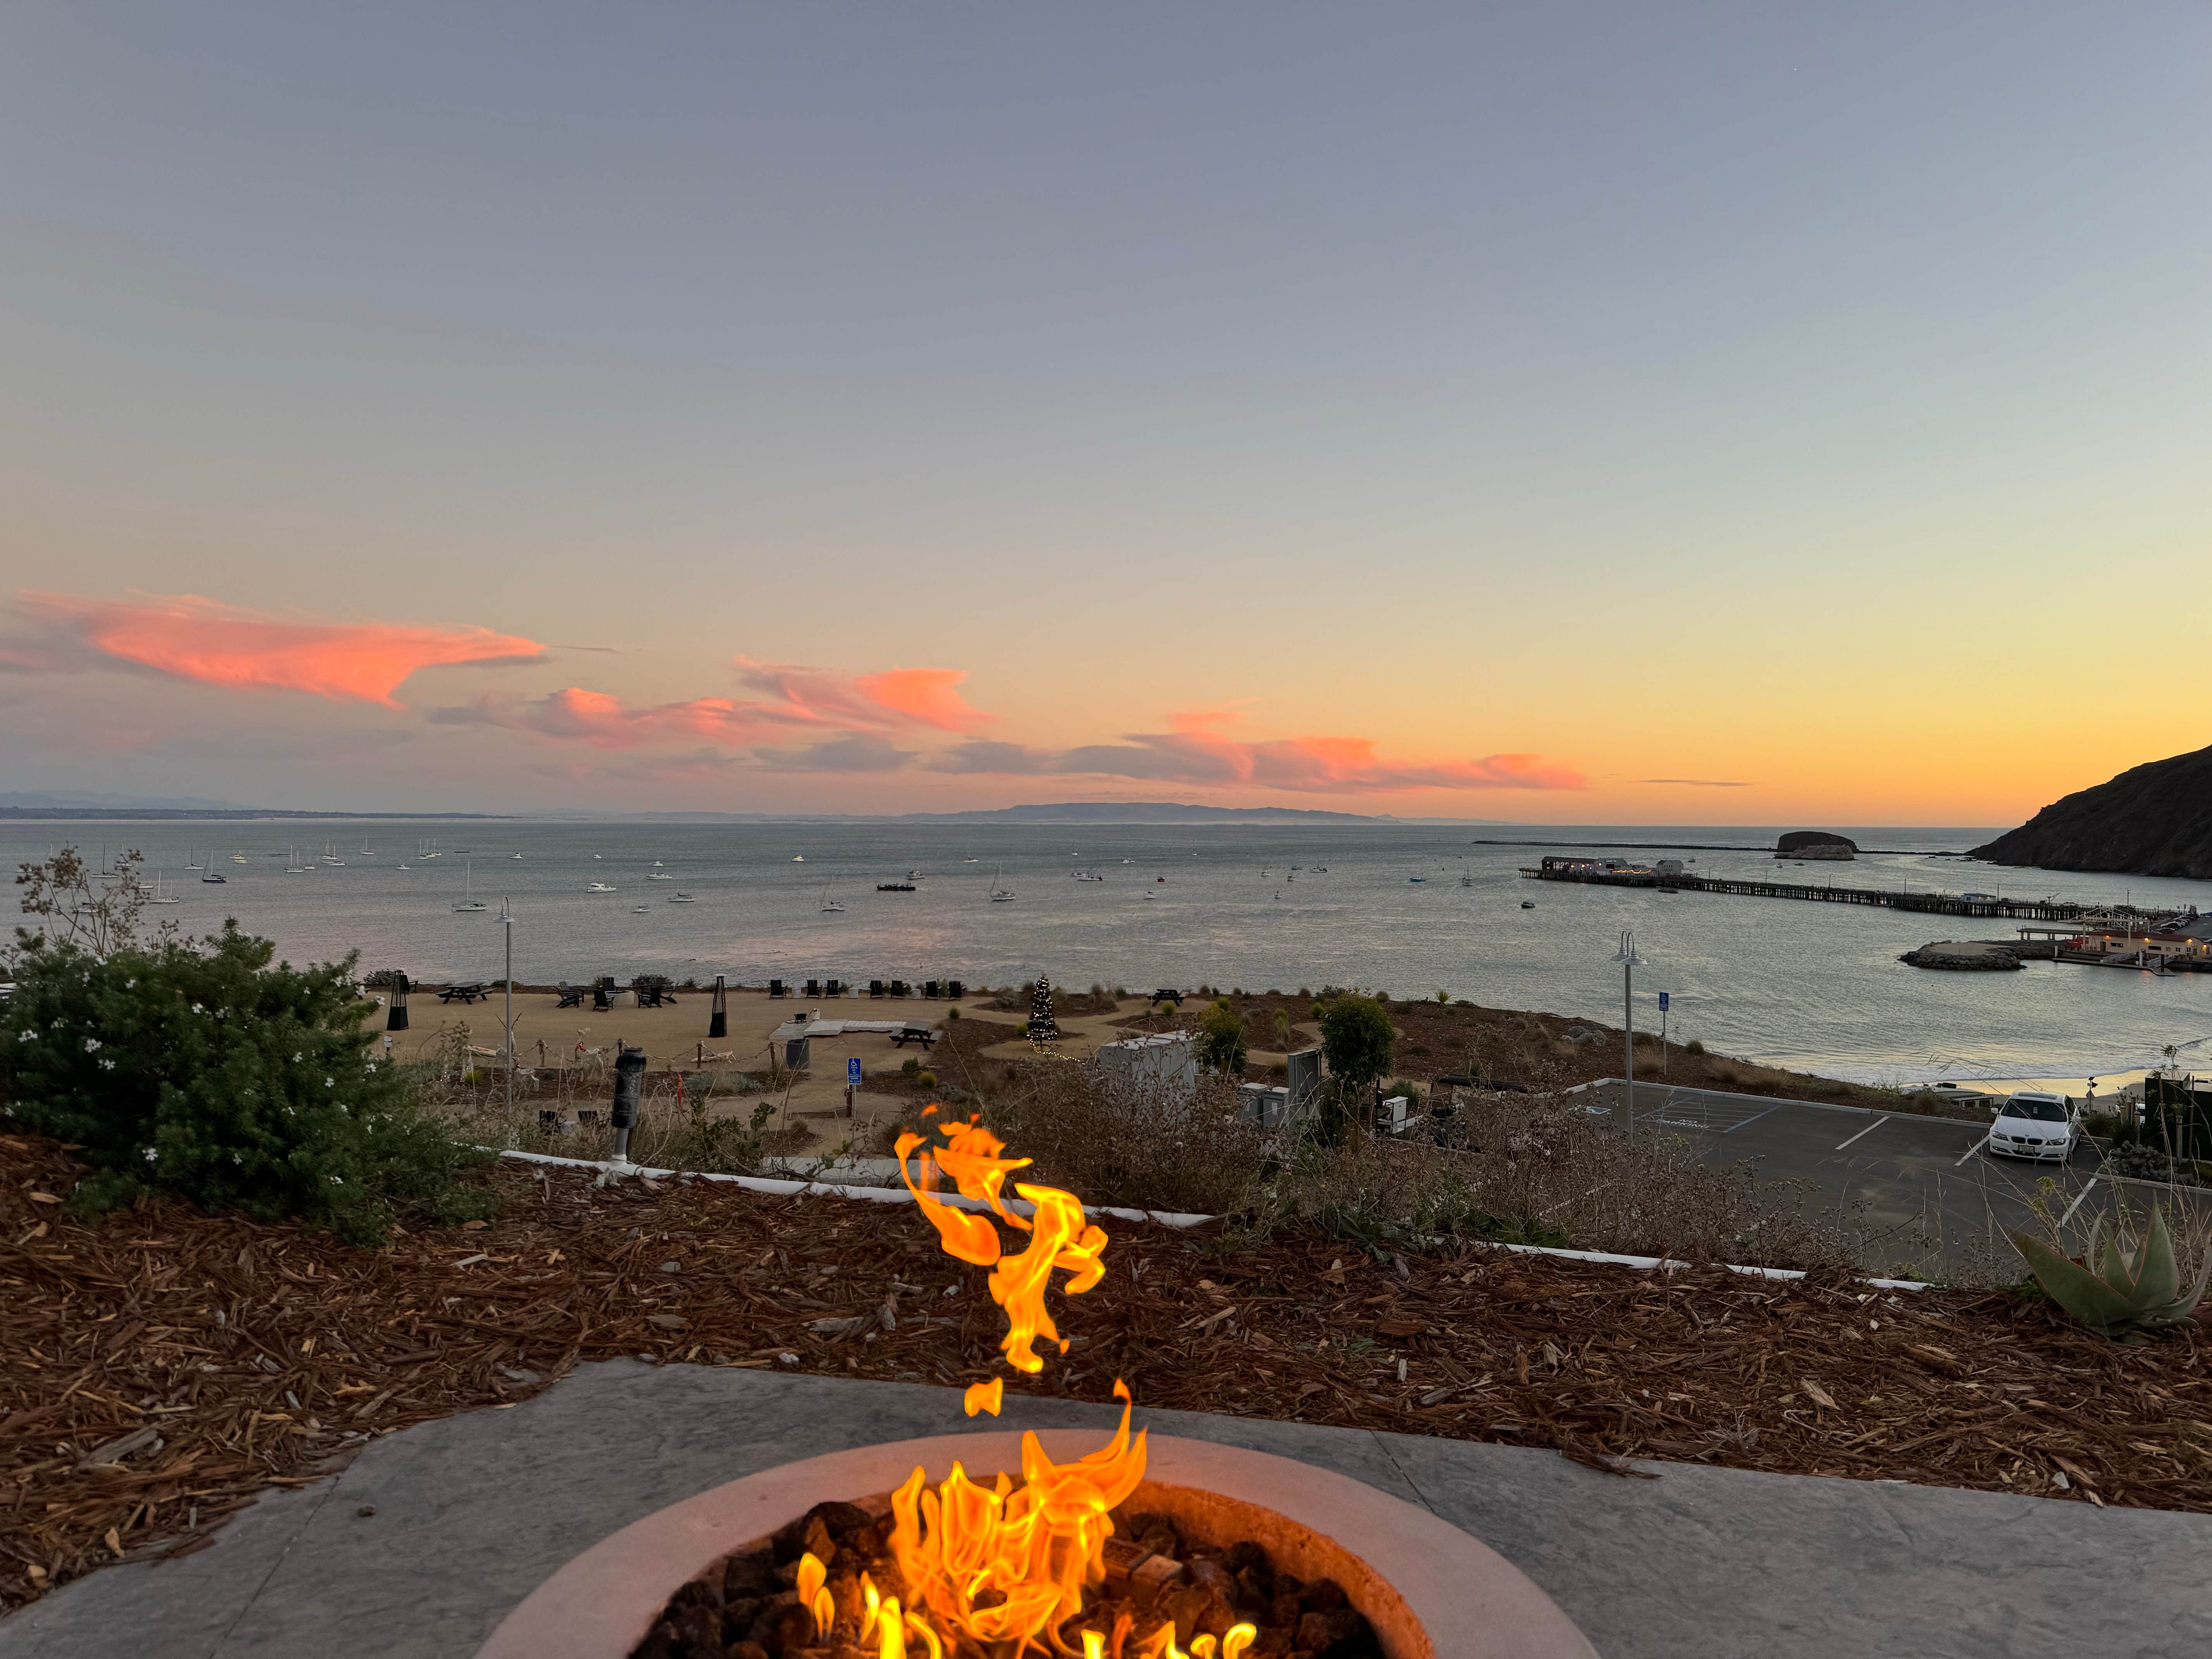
column 1662, row 1009
column 853, row 1070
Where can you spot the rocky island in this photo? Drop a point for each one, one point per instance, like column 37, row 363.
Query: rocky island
column 1815, row 844
column 2153, row 820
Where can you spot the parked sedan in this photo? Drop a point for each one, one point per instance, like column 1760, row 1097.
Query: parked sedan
column 2033, row 1124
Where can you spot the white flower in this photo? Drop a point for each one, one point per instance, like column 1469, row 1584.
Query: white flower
column 296, row 1058
column 330, row 1083
column 29, row 1036
column 130, row 984
column 337, row 1181
column 236, row 1158
column 198, row 1009
column 151, row 1155
column 105, row 1064
column 92, row 1045
column 372, row 1065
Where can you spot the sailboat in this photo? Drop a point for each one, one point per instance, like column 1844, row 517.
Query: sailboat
column 294, row 867
column 189, row 856
column 470, row 905
column 682, row 898
column 331, row 855
column 831, row 907
column 658, row 874
column 159, row 896
column 210, row 874
column 1000, row 895
column 367, row 851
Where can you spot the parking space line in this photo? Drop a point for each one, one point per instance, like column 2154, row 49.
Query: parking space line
column 1754, row 1118
column 1864, row 1133
column 2076, row 1204
column 1976, row 1148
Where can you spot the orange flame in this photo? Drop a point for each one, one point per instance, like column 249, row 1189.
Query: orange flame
column 814, row 1596
column 1000, row 1567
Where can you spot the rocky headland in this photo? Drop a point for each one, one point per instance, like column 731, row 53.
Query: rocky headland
column 2152, row 820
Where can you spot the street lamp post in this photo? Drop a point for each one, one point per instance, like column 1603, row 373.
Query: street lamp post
column 507, row 922
column 1630, row 962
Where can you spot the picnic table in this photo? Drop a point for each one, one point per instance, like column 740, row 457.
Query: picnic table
column 922, row 1034
column 475, row 991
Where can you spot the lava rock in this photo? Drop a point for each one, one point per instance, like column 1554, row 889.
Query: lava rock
column 752, row 1575
column 1338, row 1633
column 782, row 1625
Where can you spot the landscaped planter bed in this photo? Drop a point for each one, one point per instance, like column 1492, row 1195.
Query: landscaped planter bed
column 226, row 1357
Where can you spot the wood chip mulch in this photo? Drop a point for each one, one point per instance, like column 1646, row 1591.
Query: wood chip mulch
column 163, row 1366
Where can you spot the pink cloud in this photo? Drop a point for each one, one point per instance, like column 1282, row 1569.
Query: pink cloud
column 1196, row 752
column 795, row 699
column 891, row 697
column 196, row 639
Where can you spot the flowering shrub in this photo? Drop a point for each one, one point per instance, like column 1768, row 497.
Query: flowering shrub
column 197, row 1068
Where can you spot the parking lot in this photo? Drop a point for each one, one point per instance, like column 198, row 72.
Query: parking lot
column 1901, row 1182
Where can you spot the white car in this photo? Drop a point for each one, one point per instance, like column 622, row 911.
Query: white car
column 2033, row 1124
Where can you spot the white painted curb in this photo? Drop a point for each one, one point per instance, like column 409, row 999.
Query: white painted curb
column 1166, row 1218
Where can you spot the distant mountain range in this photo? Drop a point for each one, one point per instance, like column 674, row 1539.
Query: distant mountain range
column 43, row 804
column 1066, row 812
column 2152, row 820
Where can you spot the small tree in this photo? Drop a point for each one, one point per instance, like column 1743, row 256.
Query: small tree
column 1043, row 1028
column 1221, row 1040
column 99, row 911
column 1355, row 1040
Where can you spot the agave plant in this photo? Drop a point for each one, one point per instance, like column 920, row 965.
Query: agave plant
column 2127, row 1289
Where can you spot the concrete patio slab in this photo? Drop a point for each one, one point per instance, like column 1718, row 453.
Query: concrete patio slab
column 471, row 1512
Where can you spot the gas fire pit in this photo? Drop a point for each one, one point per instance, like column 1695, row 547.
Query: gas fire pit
column 1128, row 1550
column 1428, row 1590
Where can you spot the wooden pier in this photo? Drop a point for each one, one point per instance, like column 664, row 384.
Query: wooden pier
column 1601, row 874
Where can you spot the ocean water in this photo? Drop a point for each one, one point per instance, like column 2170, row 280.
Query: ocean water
column 1814, row 987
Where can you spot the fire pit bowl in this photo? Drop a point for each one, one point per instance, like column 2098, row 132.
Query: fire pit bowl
column 1430, row 1590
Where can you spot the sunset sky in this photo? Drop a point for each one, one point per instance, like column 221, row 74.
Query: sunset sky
column 1569, row 413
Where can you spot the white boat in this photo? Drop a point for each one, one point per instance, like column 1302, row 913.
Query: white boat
column 211, row 875
column 331, row 855
column 190, row 855
column 367, row 851
column 799, row 857
column 238, row 857
column 518, row 855
column 470, row 905
column 682, row 898
column 656, row 864
column 597, row 887
column 641, row 909
column 403, row 867
column 294, row 867
column 658, row 875
column 159, row 896
column 1000, row 895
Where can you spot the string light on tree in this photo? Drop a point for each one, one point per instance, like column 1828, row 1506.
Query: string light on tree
column 1043, row 1028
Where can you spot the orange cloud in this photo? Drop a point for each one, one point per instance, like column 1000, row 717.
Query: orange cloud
column 891, row 697
column 1196, row 752
column 197, row 639
column 796, row 698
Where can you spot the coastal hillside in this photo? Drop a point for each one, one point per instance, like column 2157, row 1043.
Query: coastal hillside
column 2152, row 820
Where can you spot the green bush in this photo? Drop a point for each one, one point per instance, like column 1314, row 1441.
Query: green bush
column 924, row 1081
column 198, row 1068
column 1356, row 1039
column 1221, row 1041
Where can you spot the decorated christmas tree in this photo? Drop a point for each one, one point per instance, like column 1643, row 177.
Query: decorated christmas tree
column 1043, row 1028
